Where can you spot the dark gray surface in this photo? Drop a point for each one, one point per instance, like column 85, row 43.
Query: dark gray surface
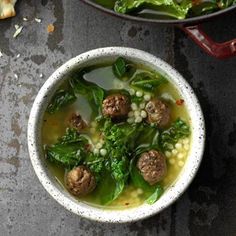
column 209, row 205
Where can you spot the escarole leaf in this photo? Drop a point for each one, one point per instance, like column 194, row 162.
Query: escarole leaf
column 178, row 10
column 60, row 99
column 69, row 150
column 147, row 81
column 178, row 129
column 91, row 91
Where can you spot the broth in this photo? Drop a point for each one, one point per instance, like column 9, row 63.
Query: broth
column 55, row 125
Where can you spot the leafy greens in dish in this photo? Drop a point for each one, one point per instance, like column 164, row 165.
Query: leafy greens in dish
column 113, row 138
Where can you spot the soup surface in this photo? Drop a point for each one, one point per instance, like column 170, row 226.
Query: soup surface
column 116, row 135
column 166, row 9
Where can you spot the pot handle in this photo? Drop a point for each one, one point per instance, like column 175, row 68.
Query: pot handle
column 219, row 50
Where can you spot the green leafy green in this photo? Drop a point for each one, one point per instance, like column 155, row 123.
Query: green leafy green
column 60, row 99
column 152, row 192
column 108, row 4
column 95, row 164
column 179, row 129
column 109, row 189
column 147, row 81
column 180, row 10
column 116, row 146
column 91, row 91
column 167, row 8
column 122, row 69
column 69, row 150
column 116, row 163
column 226, row 3
column 156, row 195
column 119, row 67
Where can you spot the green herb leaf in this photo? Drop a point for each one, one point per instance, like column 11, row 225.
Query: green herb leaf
column 119, row 67
column 109, row 189
column 168, row 138
column 60, row 99
column 91, row 91
column 122, row 69
column 137, row 178
column 69, row 151
column 156, row 195
column 147, row 81
column 152, row 192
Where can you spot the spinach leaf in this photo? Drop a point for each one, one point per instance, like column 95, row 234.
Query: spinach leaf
column 109, row 189
column 137, row 179
column 147, row 81
column 108, row 4
column 181, row 9
column 116, row 146
column 119, row 67
column 206, row 7
column 152, row 192
column 95, row 164
column 178, row 129
column 156, row 195
column 117, row 137
column 69, row 151
column 226, row 3
column 149, row 135
column 91, row 91
column 122, row 69
column 60, row 99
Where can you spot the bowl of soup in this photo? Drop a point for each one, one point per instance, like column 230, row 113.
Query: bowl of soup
column 116, row 135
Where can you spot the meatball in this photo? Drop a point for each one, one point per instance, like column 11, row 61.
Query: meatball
column 77, row 122
column 157, row 112
column 152, row 165
column 80, row 181
column 116, row 106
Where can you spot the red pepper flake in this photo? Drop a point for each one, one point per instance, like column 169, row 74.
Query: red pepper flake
column 127, row 203
column 179, row 102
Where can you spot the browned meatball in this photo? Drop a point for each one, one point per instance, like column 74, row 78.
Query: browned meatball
column 152, row 165
column 116, row 106
column 80, row 181
column 158, row 112
column 77, row 122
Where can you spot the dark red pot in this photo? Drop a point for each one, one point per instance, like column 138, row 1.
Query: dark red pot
column 191, row 26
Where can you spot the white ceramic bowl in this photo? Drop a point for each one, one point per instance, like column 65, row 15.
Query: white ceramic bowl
column 115, row 216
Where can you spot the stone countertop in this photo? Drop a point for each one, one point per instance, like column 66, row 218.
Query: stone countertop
column 207, row 208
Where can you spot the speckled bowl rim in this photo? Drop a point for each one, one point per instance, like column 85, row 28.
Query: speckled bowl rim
column 132, row 214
